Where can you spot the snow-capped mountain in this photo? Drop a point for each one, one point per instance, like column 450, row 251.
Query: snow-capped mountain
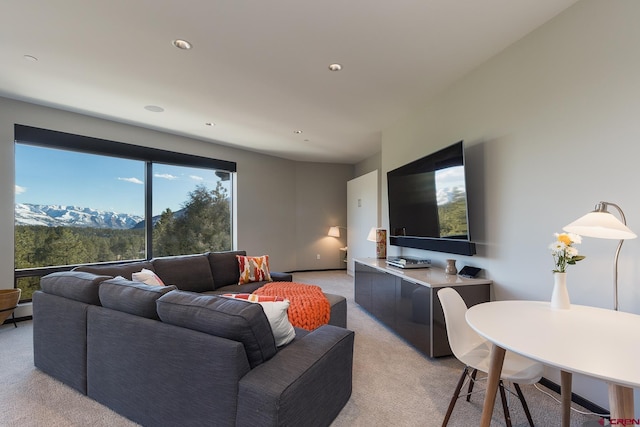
column 72, row 216
column 154, row 219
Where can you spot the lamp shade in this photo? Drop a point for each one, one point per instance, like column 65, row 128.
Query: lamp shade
column 601, row 225
column 372, row 234
column 334, row 231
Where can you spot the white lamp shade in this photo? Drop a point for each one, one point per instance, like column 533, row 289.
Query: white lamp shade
column 372, row 234
column 334, row 231
column 602, row 225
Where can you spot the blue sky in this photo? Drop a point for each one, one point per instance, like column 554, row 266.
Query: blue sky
column 450, row 177
column 59, row 177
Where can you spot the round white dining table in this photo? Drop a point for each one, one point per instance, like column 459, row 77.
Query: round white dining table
column 596, row 342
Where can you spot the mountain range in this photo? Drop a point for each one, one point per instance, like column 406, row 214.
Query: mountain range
column 72, row 216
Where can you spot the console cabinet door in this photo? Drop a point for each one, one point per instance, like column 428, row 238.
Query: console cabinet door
column 363, row 283
column 383, row 297
column 413, row 314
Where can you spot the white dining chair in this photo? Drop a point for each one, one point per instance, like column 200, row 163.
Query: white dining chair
column 473, row 350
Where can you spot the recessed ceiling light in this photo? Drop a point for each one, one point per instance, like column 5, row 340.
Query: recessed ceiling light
column 154, row 108
column 181, row 44
column 335, row 67
column 30, row 58
column 297, row 132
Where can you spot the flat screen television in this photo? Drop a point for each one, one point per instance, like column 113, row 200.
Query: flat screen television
column 428, row 203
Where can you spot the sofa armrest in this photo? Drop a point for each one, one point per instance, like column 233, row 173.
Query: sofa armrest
column 281, row 277
column 158, row 374
column 306, row 383
column 60, row 338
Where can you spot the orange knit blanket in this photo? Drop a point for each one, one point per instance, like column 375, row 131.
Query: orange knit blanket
column 309, row 308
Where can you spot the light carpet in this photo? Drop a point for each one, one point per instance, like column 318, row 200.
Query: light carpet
column 393, row 384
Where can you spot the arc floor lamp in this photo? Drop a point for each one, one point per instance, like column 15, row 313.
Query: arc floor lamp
column 602, row 224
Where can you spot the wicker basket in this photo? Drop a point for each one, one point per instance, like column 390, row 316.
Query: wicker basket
column 8, row 302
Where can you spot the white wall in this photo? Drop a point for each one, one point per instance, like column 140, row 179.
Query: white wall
column 320, row 189
column 551, row 127
column 362, row 211
column 269, row 189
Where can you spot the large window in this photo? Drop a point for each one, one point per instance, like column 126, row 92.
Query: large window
column 76, row 208
column 191, row 210
column 81, row 200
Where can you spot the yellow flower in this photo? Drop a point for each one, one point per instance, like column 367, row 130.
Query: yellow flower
column 564, row 238
column 563, row 251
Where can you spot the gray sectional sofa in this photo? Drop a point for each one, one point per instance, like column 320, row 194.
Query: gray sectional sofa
column 210, row 273
column 163, row 356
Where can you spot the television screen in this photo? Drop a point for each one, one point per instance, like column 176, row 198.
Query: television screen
column 428, row 203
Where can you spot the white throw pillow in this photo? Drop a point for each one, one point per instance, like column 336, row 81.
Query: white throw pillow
column 275, row 308
column 276, row 312
column 148, row 277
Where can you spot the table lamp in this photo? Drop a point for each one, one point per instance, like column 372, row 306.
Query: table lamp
column 602, row 224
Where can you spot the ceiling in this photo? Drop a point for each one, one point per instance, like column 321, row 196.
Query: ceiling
column 258, row 70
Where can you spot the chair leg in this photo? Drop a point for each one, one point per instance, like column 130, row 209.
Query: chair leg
column 524, row 403
column 473, row 380
column 505, row 407
column 454, row 398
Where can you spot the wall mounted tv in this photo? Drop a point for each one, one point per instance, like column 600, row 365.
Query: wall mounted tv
column 428, row 203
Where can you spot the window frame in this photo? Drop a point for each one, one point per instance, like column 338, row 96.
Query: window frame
column 46, row 138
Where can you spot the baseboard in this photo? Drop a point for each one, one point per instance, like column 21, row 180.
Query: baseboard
column 577, row 399
column 311, row 271
column 18, row 319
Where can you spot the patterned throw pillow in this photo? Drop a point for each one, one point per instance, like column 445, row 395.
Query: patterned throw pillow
column 254, row 297
column 253, row 269
column 276, row 310
column 147, row 277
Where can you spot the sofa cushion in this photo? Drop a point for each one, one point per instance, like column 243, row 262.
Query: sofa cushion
column 186, row 272
column 235, row 288
column 132, row 297
column 224, row 267
column 125, row 270
column 224, row 317
column 75, row 285
column 253, row 269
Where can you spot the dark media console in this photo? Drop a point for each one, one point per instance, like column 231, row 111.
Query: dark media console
column 407, row 302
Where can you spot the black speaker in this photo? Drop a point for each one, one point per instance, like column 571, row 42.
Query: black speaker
column 469, row 272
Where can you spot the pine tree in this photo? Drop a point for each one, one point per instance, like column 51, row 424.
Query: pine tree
column 165, row 240
column 64, row 247
column 26, row 238
column 203, row 224
column 206, row 223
